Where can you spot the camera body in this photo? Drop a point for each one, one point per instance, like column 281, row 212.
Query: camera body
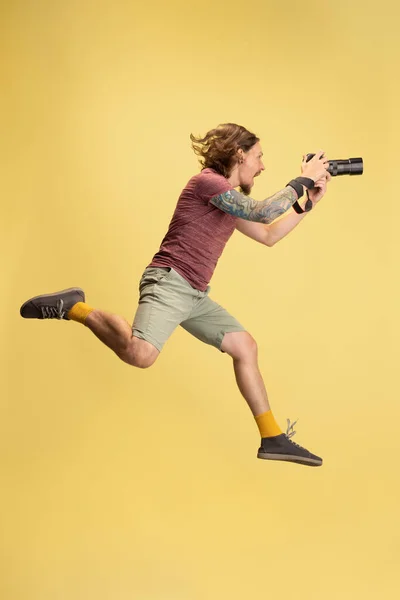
column 349, row 166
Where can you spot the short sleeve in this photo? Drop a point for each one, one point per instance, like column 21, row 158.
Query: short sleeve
column 210, row 184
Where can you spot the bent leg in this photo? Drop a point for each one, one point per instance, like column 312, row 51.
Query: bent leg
column 212, row 324
column 163, row 304
column 116, row 333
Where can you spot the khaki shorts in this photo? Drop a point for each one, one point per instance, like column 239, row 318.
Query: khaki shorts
column 168, row 300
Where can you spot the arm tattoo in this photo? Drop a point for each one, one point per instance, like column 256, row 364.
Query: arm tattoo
column 265, row 211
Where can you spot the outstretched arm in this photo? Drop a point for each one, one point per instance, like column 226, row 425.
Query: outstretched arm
column 273, row 233
column 264, row 211
column 270, row 234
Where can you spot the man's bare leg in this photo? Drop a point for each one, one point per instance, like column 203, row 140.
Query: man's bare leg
column 243, row 350
column 274, row 444
column 112, row 330
column 251, row 384
column 116, row 333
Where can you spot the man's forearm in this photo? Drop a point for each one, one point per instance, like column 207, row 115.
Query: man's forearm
column 278, row 230
column 264, row 211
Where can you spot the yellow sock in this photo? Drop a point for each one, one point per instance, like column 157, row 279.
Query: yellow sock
column 79, row 312
column 267, row 425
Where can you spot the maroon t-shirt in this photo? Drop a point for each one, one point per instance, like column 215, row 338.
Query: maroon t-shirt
column 198, row 231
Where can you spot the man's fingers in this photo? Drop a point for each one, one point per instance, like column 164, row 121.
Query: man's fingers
column 323, row 180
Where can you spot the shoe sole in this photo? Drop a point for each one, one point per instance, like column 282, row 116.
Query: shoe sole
column 311, row 462
column 74, row 289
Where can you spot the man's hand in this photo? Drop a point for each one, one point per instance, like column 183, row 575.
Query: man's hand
column 316, row 167
column 319, row 188
column 320, row 184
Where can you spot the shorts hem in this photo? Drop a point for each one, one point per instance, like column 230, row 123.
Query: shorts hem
column 148, row 338
column 221, row 335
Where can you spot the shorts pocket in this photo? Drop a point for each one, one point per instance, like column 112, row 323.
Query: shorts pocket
column 154, row 275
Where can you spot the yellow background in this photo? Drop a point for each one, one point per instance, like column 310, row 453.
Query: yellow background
column 120, row 483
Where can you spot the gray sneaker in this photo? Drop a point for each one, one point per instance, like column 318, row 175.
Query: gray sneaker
column 280, row 447
column 52, row 306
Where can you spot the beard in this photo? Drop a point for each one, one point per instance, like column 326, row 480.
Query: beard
column 245, row 189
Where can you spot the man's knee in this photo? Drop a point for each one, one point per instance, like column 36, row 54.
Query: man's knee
column 143, row 362
column 140, row 354
column 239, row 345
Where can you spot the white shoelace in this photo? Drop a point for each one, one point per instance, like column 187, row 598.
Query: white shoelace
column 51, row 312
column 290, row 432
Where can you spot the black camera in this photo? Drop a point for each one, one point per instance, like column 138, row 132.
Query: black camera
column 349, row 166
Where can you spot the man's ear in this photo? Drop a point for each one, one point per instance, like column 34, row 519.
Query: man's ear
column 240, row 155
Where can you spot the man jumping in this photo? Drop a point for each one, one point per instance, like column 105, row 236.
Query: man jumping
column 174, row 286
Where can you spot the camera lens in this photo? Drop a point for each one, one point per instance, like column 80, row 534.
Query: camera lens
column 351, row 166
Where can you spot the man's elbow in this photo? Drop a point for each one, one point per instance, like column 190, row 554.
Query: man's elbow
column 270, row 242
